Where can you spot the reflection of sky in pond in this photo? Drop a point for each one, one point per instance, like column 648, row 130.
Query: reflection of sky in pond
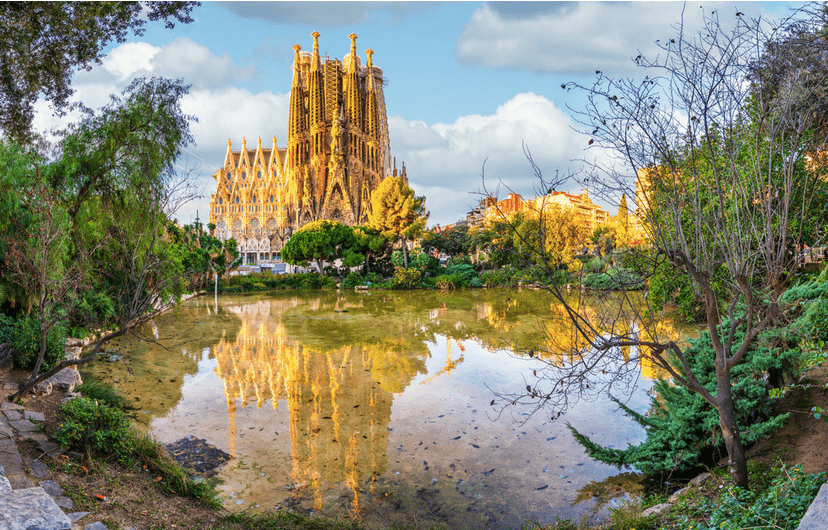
column 378, row 405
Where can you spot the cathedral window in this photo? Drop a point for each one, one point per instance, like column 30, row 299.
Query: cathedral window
column 254, row 199
column 229, row 175
column 244, row 175
column 259, row 175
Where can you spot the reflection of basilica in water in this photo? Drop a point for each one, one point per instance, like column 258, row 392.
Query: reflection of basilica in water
column 338, row 360
column 339, row 399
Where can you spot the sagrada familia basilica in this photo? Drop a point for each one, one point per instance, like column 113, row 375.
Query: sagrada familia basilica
column 337, row 153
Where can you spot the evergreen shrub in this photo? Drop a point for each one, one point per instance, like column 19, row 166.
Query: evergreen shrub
column 88, row 425
column 683, row 429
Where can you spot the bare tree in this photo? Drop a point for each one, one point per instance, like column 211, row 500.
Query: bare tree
column 725, row 177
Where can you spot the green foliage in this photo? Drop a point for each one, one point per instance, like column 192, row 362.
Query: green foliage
column 781, row 505
column 405, row 278
column 85, row 424
column 150, row 453
column 669, row 285
column 595, row 265
column 266, row 281
column 465, row 272
column 455, row 241
column 683, row 430
column 25, row 340
column 507, row 276
column 321, row 241
column 615, row 278
column 94, row 306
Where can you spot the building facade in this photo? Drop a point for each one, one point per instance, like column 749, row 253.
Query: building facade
column 338, row 151
column 588, row 214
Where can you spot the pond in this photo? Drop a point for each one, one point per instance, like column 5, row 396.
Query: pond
column 376, row 405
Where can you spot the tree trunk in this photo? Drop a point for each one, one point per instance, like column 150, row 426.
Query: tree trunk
column 736, row 460
column 405, row 251
column 319, row 267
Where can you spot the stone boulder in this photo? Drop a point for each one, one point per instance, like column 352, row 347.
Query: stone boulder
column 66, row 380
column 31, row 509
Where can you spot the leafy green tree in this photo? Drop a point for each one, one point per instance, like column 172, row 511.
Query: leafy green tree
column 369, row 243
column 43, row 43
column 452, row 242
column 318, row 242
column 396, row 212
column 94, row 234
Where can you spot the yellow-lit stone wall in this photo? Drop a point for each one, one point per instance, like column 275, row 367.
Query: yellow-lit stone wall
column 338, row 150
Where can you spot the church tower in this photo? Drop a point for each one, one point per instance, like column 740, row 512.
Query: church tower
column 338, row 151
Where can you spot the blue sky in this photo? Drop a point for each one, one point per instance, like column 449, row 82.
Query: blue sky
column 466, row 82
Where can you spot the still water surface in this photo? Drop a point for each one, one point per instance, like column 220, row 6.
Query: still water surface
column 374, row 405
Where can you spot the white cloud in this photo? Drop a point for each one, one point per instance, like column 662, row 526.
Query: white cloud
column 445, row 162
column 223, row 111
column 582, row 37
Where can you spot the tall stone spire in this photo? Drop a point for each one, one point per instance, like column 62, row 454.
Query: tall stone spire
column 316, row 93
column 353, row 101
column 371, row 116
column 297, row 121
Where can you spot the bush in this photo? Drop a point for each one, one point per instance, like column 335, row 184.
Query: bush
column 352, row 280
column 448, row 282
column 595, row 265
column 782, row 505
column 25, row 340
column 91, row 426
column 405, row 278
column 506, row 276
column 464, row 270
column 683, row 429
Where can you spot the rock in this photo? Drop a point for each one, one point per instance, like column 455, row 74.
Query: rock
column 31, row 509
column 76, row 343
column 655, row 510
column 700, row 479
column 11, row 386
column 35, row 436
column 97, row 525
column 678, row 495
column 66, row 380
column 13, row 415
column 73, row 353
column 19, row 481
column 50, row 448
column 22, row 426
column 5, row 431
column 5, row 485
column 43, row 388
column 5, row 405
column 32, row 415
column 38, row 468
column 76, row 516
column 51, row 487
column 816, row 518
column 64, row 502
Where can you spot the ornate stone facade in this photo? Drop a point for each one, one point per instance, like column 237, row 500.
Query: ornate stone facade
column 338, row 152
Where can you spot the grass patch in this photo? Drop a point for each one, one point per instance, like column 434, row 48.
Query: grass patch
column 101, row 392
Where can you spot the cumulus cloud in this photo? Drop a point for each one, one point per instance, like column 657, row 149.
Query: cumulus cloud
column 326, row 14
column 574, row 38
column 223, row 110
column 445, row 162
